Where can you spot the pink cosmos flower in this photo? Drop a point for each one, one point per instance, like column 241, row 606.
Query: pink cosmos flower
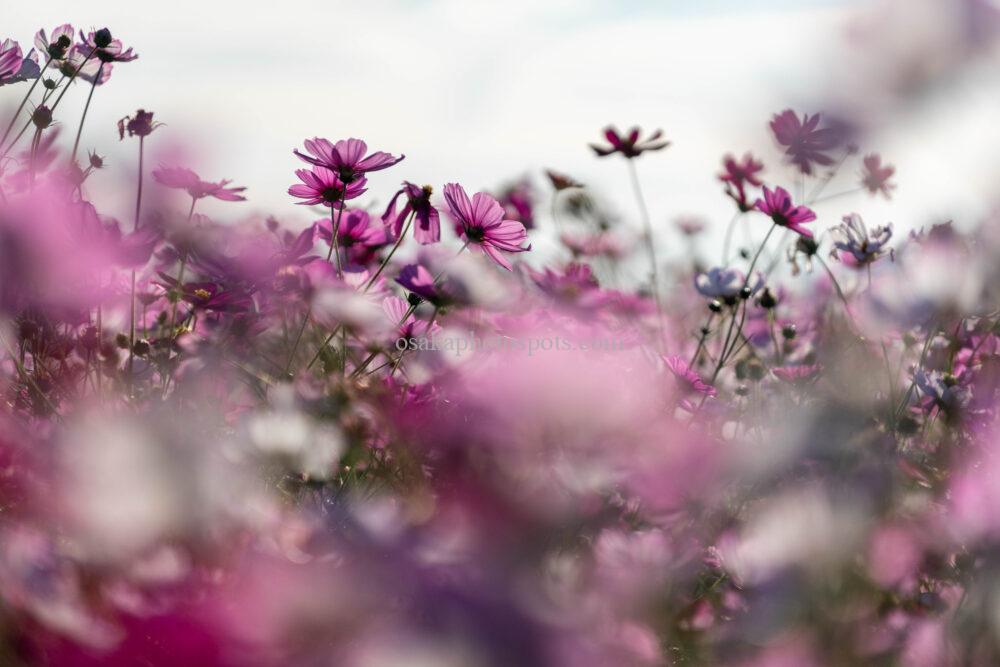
column 185, row 179
column 876, row 176
column 347, row 157
column 689, row 380
column 322, row 186
column 56, row 47
column 481, row 222
column 11, row 60
column 105, row 48
column 418, row 202
column 629, row 145
column 418, row 279
column 803, row 140
column 736, row 177
column 778, row 205
column 359, row 235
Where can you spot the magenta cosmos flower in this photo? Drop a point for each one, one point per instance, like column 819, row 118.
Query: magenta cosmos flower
column 359, row 235
column 185, row 179
column 347, row 157
column 805, row 143
column 322, row 186
column 778, row 205
column 105, row 48
column 629, row 145
column 480, row 221
column 688, row 380
column 875, row 177
column 418, row 202
column 737, row 175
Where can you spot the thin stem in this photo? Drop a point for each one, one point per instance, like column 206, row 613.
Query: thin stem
column 650, row 249
column 86, row 107
column 135, row 227
column 729, row 237
column 385, row 262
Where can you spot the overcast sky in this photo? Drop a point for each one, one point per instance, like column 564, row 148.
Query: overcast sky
column 481, row 92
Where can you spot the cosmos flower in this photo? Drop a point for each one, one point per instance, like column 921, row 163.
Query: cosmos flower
column 358, row 235
column 857, row 242
column 185, row 179
column 322, row 186
column 105, row 48
column 14, row 66
column 56, row 47
column 690, row 381
column 629, row 145
column 418, row 279
column 943, row 389
column 778, row 205
column 805, row 143
column 79, row 64
column 418, row 202
column 875, row 177
column 407, row 326
column 139, row 125
column 480, row 221
column 347, row 157
column 516, row 200
column 737, row 175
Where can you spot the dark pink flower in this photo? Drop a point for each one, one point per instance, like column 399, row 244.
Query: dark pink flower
column 876, row 177
column 805, row 143
column 105, row 48
column 185, row 179
column 347, row 157
column 358, row 236
column 140, row 125
column 736, row 177
column 629, row 145
column 322, row 186
column 57, row 46
column 481, row 222
column 418, row 279
column 517, row 202
column 418, row 202
column 778, row 205
column 407, row 326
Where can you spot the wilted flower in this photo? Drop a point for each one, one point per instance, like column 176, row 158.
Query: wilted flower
column 347, row 157
column 139, row 125
column 778, row 205
column 875, row 177
column 481, row 222
column 561, row 181
column 185, row 179
column 322, row 186
column 805, row 143
column 418, row 202
column 629, row 145
column 854, row 238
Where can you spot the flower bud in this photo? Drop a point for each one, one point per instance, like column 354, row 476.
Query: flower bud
column 789, row 331
column 102, row 38
column 715, row 306
column 42, row 117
